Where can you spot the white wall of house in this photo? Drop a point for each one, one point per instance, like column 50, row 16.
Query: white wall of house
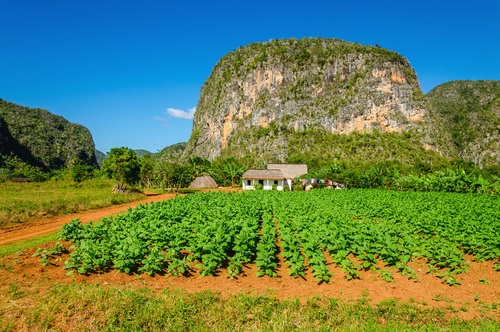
column 268, row 184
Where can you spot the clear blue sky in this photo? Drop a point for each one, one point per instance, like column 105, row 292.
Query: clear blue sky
column 117, row 66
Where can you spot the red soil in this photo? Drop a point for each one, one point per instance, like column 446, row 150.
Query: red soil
column 468, row 300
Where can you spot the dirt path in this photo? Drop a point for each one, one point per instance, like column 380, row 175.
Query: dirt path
column 45, row 226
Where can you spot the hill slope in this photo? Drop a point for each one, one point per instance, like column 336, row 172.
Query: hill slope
column 171, row 153
column 260, row 98
column 468, row 114
column 42, row 139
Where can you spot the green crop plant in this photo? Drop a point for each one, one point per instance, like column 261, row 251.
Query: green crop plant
column 355, row 230
column 46, row 255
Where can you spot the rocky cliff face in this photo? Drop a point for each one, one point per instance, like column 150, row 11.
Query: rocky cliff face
column 468, row 118
column 260, row 91
column 42, row 139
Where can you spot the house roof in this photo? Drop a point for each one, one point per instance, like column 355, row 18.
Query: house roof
column 263, row 174
column 290, row 171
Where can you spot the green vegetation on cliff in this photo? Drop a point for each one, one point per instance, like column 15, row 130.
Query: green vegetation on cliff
column 317, row 56
column 38, row 138
column 321, row 149
column 468, row 113
column 171, row 153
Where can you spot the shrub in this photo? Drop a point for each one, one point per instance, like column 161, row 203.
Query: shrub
column 297, row 186
column 258, row 186
column 81, row 173
column 123, row 166
column 5, row 174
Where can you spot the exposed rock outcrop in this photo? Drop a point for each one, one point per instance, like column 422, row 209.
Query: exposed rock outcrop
column 296, row 85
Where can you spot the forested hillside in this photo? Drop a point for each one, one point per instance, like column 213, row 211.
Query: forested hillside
column 468, row 118
column 39, row 138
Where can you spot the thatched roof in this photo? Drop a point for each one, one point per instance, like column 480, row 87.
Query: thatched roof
column 204, row 181
column 290, row 171
column 263, row 174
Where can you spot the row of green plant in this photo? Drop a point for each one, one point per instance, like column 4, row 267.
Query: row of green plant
column 212, row 230
column 110, row 308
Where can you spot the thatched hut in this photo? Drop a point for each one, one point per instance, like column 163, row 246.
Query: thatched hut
column 203, row 182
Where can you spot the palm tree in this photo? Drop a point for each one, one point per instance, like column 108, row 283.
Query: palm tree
column 234, row 171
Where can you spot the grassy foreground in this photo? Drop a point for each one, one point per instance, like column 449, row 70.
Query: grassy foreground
column 106, row 308
column 21, row 202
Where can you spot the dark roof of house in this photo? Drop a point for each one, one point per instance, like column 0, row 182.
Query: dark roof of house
column 290, row 171
column 263, row 174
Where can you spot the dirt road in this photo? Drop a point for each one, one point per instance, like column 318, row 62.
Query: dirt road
column 45, row 226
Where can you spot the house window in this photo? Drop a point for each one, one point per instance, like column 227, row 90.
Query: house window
column 261, row 182
column 249, row 182
column 276, row 182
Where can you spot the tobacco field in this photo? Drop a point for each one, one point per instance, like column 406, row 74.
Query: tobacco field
column 220, row 233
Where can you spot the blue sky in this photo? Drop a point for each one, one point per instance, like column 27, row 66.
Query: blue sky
column 127, row 69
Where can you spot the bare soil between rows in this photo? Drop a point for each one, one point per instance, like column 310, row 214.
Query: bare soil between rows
column 471, row 299
column 477, row 296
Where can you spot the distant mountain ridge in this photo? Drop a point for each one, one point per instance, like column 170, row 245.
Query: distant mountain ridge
column 142, row 152
column 42, row 139
column 100, row 156
column 171, row 153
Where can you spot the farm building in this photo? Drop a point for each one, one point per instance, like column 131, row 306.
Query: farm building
column 203, row 182
column 279, row 175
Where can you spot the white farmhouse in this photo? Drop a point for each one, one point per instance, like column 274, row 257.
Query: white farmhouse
column 279, row 175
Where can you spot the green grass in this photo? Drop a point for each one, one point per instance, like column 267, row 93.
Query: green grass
column 21, row 202
column 12, row 248
column 110, row 308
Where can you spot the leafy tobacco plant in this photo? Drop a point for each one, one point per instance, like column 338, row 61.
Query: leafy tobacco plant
column 313, row 229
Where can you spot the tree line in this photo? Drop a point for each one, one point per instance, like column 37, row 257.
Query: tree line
column 148, row 172
column 129, row 171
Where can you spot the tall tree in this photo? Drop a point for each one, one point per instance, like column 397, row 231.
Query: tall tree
column 123, row 166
